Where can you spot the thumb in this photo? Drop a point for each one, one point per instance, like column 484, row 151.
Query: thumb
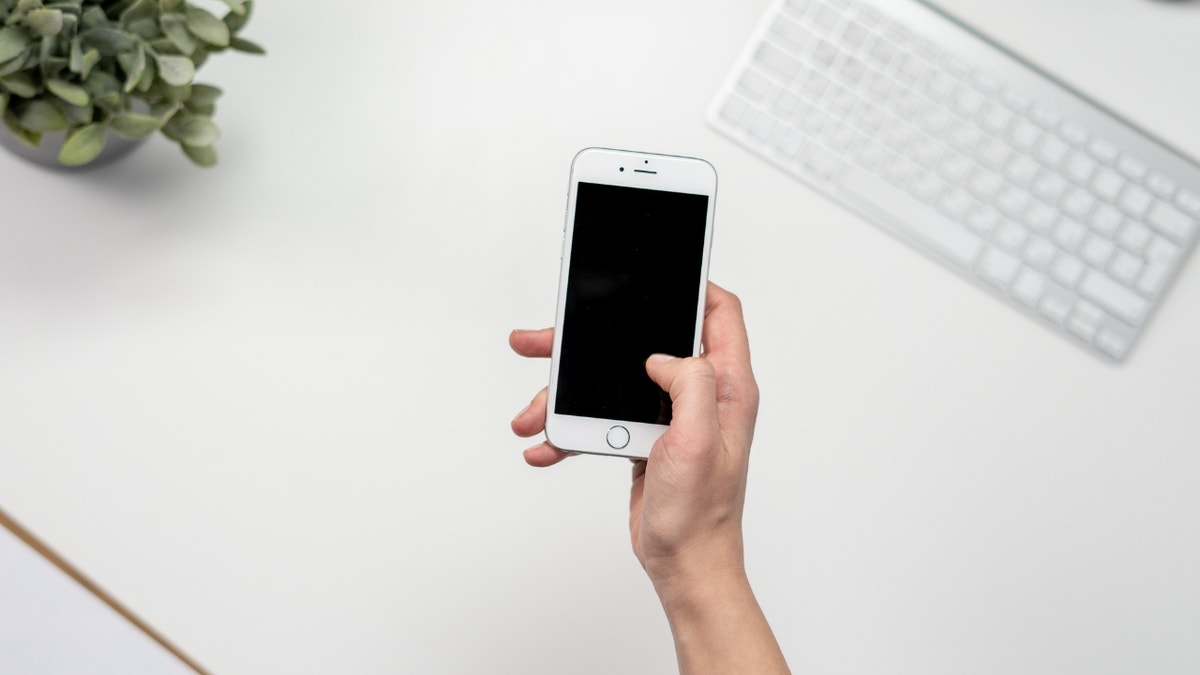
column 691, row 383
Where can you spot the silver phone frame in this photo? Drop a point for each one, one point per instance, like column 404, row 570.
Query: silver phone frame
column 644, row 170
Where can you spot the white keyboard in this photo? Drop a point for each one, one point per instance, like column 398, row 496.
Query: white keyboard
column 962, row 149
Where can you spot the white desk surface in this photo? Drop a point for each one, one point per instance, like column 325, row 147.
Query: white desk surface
column 267, row 406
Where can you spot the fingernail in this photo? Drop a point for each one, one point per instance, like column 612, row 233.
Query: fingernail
column 661, row 358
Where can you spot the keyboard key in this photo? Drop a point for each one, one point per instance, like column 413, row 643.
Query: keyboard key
column 1074, row 134
column 1011, row 201
column 1154, row 277
column 754, row 85
column 777, row 62
column 1056, row 304
column 1101, row 150
column 1038, row 253
column 1125, row 268
column 1023, row 135
column 1172, row 223
column 1049, row 187
column 995, row 119
column 1014, row 100
column 1069, row 234
column 1039, row 217
column 1133, row 237
column 821, row 161
column 1161, row 250
column 1051, row 151
column 998, row 268
column 733, row 110
column 1009, row 237
column 855, row 34
column 967, row 102
column 1107, row 184
column 955, row 203
column 1078, row 204
column 870, row 154
column 982, row 219
column 1021, row 170
column 790, row 34
column 1188, row 201
column 1085, row 320
column 1133, row 168
column 825, row 53
column 1044, row 117
column 1096, row 251
column 964, row 136
column 1079, row 168
column 1112, row 343
column 927, row 187
column 992, row 153
column 1134, row 201
column 1161, row 184
column 954, row 167
column 1118, row 300
column 1029, row 287
column 827, row 18
column 983, row 184
column 913, row 218
column 1105, row 221
column 1066, row 270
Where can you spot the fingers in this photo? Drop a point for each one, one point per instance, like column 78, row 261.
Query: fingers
column 532, row 420
column 532, row 343
column 692, row 384
column 543, row 454
column 724, row 332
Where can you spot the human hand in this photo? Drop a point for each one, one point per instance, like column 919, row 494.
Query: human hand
column 686, row 501
column 685, row 507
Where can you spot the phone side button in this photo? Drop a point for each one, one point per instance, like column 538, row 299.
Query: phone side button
column 618, row 437
column 562, row 247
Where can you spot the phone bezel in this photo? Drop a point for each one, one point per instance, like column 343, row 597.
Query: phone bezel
column 641, row 170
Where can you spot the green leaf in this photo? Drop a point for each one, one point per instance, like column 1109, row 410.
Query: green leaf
column 13, row 42
column 134, row 126
column 197, row 131
column 174, row 26
column 164, row 110
column 134, row 64
column 108, row 41
column 142, row 9
column 243, row 45
column 42, row 116
column 204, row 94
column 13, row 65
column 172, row 5
column 83, row 145
column 237, row 21
column 147, row 29
column 90, row 59
column 203, row 156
column 45, row 22
column 71, row 93
column 78, row 114
column 237, row 7
column 207, row 27
column 4, row 96
column 31, row 138
column 21, row 84
column 176, row 70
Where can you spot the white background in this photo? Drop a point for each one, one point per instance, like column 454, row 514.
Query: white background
column 267, row 405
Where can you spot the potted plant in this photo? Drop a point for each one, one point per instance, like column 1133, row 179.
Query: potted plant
column 85, row 68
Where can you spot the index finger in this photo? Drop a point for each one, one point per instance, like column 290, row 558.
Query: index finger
column 724, row 335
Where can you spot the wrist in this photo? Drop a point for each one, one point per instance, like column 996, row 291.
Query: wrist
column 692, row 582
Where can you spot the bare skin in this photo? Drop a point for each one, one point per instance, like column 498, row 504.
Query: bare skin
column 686, row 500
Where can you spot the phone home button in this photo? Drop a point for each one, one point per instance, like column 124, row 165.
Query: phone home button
column 618, row 437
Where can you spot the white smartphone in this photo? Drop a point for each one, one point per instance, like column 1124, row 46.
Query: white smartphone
column 634, row 272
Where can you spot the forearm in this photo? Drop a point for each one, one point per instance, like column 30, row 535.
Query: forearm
column 717, row 623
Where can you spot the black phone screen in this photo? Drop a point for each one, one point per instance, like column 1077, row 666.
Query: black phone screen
column 632, row 289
